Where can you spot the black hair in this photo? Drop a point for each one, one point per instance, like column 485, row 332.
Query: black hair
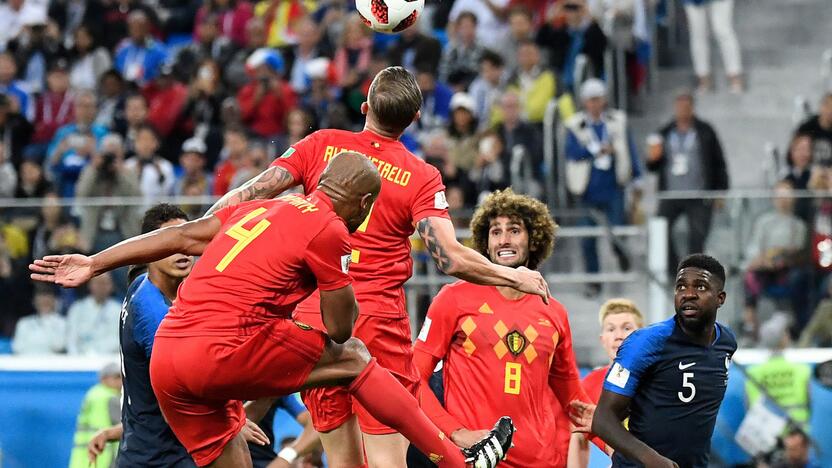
column 158, row 215
column 704, row 262
column 492, row 57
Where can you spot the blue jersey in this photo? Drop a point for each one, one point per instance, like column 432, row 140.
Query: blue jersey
column 147, row 441
column 676, row 388
column 262, row 455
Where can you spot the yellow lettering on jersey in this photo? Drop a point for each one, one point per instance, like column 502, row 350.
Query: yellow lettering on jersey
column 243, row 236
column 300, row 203
column 387, row 171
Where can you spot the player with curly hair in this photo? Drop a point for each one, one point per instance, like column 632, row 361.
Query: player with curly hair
column 504, row 351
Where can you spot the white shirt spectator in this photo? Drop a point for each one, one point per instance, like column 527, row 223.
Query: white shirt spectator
column 156, row 178
column 92, row 327
column 12, row 21
column 491, row 31
column 40, row 334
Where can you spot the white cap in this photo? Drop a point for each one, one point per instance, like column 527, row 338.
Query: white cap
column 193, row 145
column 33, row 15
column 316, row 69
column 593, row 88
column 463, row 100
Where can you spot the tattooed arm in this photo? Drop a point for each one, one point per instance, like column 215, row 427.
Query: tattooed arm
column 267, row 184
column 467, row 264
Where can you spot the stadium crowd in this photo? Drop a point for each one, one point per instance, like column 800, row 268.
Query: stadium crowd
column 159, row 98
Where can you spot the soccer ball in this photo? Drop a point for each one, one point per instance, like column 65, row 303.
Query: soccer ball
column 389, row 16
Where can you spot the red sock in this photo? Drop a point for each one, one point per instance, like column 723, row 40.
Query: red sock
column 385, row 398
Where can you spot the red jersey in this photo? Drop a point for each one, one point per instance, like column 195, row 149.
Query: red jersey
column 411, row 190
column 268, row 256
column 503, row 357
column 593, row 383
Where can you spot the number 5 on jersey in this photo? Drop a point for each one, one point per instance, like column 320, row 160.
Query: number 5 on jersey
column 243, row 236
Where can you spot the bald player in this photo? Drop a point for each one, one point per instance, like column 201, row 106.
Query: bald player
column 413, row 199
column 230, row 337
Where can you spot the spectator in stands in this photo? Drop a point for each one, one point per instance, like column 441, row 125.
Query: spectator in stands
column 8, row 176
column 232, row 154
column 255, row 160
column 53, row 108
column 799, row 166
column 34, row 49
column 74, row 143
column 299, row 123
column 203, row 109
column 489, row 19
column 100, row 409
column 280, row 18
column 351, row 63
column 111, row 23
column 193, row 180
column 819, row 127
column 166, row 98
column 155, row 173
column 463, row 131
column 416, row 51
column 462, row 56
column 135, row 116
column 308, row 48
column 489, row 172
column 31, row 183
column 601, row 163
column 521, row 29
column 106, row 176
column 209, row 44
column 111, row 101
column 44, row 332
column 796, row 446
column 687, row 156
column 88, row 60
column 436, row 152
column 91, row 321
column 818, row 332
column 21, row 101
column 787, row 383
column 267, row 98
column 488, row 86
column 233, row 17
column 140, row 57
column 236, row 75
column 15, row 130
column 13, row 14
column 436, row 101
column 721, row 14
column 515, row 133
column 571, row 33
column 536, row 86
column 55, row 233
column 774, row 261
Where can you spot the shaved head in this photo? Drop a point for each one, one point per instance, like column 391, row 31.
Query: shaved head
column 353, row 183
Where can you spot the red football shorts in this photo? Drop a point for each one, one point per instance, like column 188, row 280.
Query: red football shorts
column 388, row 340
column 200, row 381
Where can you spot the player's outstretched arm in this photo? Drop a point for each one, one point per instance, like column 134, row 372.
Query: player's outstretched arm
column 74, row 270
column 339, row 311
column 267, row 184
column 611, row 410
column 467, row 264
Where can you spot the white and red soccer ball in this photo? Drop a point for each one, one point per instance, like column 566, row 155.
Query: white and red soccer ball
column 389, row 16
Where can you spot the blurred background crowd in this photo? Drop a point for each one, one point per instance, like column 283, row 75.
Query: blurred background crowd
column 143, row 100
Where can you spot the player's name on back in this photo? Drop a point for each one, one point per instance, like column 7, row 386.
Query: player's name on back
column 386, row 170
column 300, row 203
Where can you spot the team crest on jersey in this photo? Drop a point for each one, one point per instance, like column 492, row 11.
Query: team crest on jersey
column 302, row 325
column 516, row 342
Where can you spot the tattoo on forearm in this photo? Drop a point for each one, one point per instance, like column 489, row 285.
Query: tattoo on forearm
column 271, row 182
column 437, row 251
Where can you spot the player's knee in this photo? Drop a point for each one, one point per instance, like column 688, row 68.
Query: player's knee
column 356, row 354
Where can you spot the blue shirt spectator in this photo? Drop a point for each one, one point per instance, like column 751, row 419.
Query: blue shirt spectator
column 139, row 58
column 73, row 144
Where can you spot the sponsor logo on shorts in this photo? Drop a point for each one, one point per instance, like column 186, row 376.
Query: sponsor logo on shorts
column 439, row 201
column 302, row 325
column 618, row 376
column 435, row 458
column 423, row 333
